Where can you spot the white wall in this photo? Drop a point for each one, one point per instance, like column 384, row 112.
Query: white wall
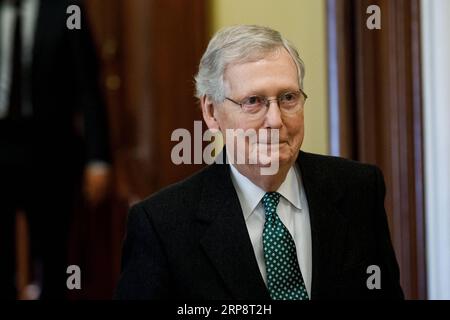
column 436, row 84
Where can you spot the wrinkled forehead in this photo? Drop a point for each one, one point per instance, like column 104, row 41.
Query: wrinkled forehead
column 273, row 54
column 253, row 56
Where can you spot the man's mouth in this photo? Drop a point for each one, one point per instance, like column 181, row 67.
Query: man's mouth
column 270, row 143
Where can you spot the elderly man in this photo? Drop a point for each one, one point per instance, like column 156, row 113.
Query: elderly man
column 315, row 228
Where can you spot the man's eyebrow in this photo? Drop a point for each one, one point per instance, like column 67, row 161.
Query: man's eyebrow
column 250, row 94
column 261, row 94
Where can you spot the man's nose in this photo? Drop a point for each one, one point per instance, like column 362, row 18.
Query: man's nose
column 273, row 115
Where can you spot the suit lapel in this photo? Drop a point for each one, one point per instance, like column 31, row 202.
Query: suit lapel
column 226, row 241
column 328, row 224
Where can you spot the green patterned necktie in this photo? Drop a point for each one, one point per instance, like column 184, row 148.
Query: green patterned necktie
column 284, row 278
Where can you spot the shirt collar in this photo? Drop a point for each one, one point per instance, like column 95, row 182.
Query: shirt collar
column 290, row 188
column 250, row 194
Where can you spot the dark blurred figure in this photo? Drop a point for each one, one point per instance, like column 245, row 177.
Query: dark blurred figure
column 53, row 132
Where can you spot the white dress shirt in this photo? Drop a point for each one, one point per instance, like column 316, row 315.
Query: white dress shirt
column 293, row 211
column 30, row 10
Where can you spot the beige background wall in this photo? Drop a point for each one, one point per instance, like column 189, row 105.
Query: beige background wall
column 304, row 23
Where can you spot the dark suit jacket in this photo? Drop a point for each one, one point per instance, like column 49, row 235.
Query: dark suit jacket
column 69, row 123
column 189, row 241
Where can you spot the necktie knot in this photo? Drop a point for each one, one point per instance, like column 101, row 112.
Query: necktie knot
column 270, row 202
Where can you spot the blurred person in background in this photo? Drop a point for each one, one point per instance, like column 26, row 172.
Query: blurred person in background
column 53, row 135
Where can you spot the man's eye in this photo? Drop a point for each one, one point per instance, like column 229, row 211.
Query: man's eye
column 252, row 101
column 289, row 97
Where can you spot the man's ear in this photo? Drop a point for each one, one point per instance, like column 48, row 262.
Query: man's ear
column 209, row 113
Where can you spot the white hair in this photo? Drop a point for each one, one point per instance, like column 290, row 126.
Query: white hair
column 239, row 44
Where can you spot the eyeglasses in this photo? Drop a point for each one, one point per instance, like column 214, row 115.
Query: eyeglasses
column 288, row 102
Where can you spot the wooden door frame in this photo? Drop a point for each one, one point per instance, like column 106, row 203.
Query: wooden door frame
column 376, row 115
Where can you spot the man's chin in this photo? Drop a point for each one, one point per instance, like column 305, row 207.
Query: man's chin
column 279, row 159
column 265, row 155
